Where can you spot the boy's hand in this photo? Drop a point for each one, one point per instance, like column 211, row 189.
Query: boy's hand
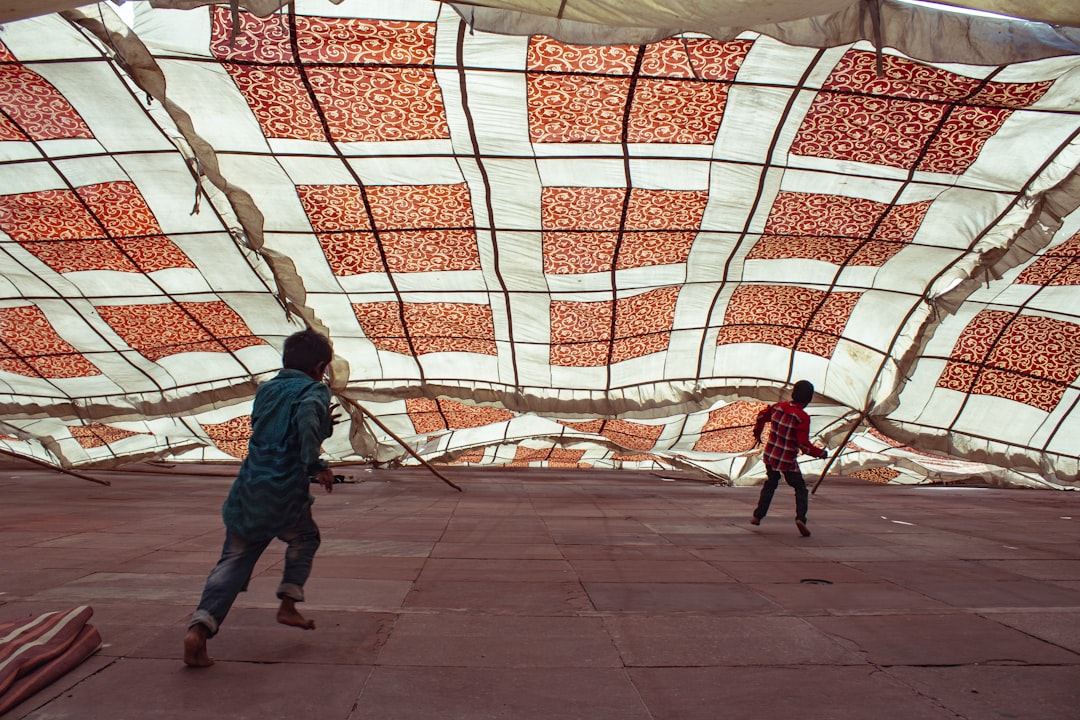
column 326, row 479
column 335, row 413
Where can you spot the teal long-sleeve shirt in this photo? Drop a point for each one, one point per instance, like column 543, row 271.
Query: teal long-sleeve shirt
column 289, row 421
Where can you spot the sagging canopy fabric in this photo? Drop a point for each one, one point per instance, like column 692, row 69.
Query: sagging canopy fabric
column 532, row 251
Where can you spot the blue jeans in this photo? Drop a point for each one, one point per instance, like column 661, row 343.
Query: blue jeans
column 793, row 478
column 238, row 557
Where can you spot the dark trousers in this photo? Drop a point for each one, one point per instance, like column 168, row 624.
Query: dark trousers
column 238, row 557
column 793, row 478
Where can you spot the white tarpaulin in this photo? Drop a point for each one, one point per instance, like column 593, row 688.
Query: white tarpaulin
column 538, row 239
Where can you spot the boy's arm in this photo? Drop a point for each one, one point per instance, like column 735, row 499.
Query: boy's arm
column 759, row 424
column 312, row 422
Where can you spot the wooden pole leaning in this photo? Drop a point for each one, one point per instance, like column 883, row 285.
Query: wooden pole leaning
column 57, row 468
column 840, row 449
column 401, row 442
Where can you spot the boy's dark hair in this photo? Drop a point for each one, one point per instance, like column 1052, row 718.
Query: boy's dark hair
column 304, row 350
column 803, row 392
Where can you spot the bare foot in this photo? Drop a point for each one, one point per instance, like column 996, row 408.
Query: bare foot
column 195, row 647
column 287, row 614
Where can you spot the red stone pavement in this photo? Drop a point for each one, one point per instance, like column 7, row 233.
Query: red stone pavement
column 543, row 594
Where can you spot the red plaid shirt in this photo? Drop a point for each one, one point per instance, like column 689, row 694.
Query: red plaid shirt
column 790, row 435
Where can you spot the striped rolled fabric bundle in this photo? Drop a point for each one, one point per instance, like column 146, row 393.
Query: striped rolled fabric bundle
column 35, row 651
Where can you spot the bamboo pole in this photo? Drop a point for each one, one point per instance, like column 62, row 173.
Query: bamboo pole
column 402, row 443
column 57, row 468
column 840, row 449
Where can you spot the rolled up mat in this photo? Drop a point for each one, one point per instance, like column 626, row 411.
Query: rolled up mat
column 35, row 651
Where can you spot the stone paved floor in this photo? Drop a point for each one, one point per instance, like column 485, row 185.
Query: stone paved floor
column 548, row 595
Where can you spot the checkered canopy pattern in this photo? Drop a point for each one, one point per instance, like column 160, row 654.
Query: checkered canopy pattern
column 528, row 251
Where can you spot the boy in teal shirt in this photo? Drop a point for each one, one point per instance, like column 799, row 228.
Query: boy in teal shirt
column 270, row 496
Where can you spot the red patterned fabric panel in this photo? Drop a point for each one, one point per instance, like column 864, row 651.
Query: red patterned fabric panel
column 30, row 346
column 694, row 58
column 730, row 429
column 448, row 243
column 802, row 319
column 380, row 104
column 231, row 437
column 98, row 435
column 397, row 207
column 279, row 100
column 433, row 327
column 636, row 458
column 47, row 215
column 365, row 80
column 916, row 117
column 1058, row 266
column 59, row 227
column 432, row 416
column 581, row 331
column 1030, row 359
column 660, row 227
column 322, row 40
column 553, row 457
column 880, row 475
column 33, row 109
column 579, row 93
column 164, row 329
column 476, row 455
column 334, row 208
column 602, row 208
column 628, row 434
column 837, row 229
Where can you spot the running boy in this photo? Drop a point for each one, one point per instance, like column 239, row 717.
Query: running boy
column 269, row 498
column 790, row 435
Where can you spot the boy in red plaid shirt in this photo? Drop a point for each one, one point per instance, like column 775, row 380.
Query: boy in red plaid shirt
column 790, row 435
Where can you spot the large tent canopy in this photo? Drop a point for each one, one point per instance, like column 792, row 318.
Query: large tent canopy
column 597, row 233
